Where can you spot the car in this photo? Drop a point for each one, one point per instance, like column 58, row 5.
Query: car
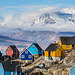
column 41, row 65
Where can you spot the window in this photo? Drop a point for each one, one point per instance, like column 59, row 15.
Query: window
column 32, row 46
column 67, row 45
column 35, row 50
column 26, row 52
column 9, row 48
column 7, row 52
column 29, row 56
column 2, row 72
column 11, row 73
column 23, row 56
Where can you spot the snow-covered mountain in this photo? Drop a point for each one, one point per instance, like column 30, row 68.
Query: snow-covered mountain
column 43, row 26
column 46, row 19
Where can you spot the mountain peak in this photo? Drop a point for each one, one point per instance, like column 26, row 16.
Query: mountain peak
column 68, row 10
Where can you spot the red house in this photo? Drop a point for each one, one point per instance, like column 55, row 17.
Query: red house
column 12, row 51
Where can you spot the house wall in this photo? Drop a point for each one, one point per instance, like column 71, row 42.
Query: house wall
column 26, row 56
column 72, row 71
column 46, row 53
column 56, row 53
column 1, row 69
column 32, row 50
column 64, row 46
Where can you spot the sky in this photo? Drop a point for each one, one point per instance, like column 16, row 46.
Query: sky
column 15, row 6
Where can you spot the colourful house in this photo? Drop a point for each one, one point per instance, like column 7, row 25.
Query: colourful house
column 12, row 51
column 67, row 43
column 8, row 68
column 72, row 71
column 36, row 50
column 53, row 51
column 26, row 55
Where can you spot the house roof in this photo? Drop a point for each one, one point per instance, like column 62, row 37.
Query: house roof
column 14, row 48
column 10, row 67
column 68, row 40
column 51, row 47
column 38, row 47
column 24, row 50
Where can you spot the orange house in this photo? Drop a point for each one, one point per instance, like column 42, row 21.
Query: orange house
column 54, row 51
column 67, row 43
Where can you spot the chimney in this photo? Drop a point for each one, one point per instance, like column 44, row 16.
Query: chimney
column 54, row 42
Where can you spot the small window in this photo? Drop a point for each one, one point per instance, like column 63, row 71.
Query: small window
column 67, row 45
column 11, row 73
column 52, row 51
column 29, row 56
column 26, row 52
column 7, row 52
column 9, row 48
column 32, row 46
column 35, row 50
column 23, row 56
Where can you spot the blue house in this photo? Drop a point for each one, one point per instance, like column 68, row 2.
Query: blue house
column 26, row 55
column 36, row 50
column 72, row 71
column 8, row 68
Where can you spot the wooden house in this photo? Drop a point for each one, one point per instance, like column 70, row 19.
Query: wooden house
column 67, row 43
column 26, row 56
column 72, row 71
column 36, row 50
column 53, row 51
column 12, row 51
column 8, row 68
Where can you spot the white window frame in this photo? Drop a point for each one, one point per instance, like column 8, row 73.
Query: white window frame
column 23, row 56
column 26, row 52
column 29, row 56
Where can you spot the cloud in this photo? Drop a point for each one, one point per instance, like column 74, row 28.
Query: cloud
column 25, row 19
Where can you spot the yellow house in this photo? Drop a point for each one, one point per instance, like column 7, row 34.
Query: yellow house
column 54, row 51
column 67, row 43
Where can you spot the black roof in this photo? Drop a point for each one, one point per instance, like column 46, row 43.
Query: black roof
column 68, row 40
column 10, row 67
column 14, row 47
column 51, row 47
